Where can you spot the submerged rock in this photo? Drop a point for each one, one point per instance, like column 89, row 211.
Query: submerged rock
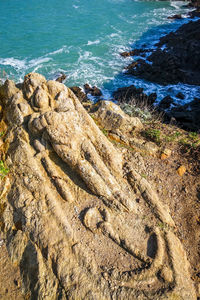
column 73, row 220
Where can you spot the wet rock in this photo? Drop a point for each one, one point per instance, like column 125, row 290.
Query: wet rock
column 176, row 59
column 135, row 52
column 127, row 53
column 187, row 115
column 175, row 17
column 132, row 65
column 194, row 3
column 165, row 103
column 94, row 91
column 152, row 98
column 131, row 93
column 180, row 96
column 195, row 13
column 79, row 94
column 61, row 78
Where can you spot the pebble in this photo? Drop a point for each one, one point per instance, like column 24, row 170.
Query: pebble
column 181, row 170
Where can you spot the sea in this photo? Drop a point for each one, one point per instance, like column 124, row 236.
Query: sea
column 84, row 39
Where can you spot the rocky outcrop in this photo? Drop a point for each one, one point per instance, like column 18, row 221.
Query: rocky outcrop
column 131, row 93
column 80, row 221
column 82, row 97
column 112, row 118
column 176, row 59
column 94, row 91
column 187, row 115
column 61, row 78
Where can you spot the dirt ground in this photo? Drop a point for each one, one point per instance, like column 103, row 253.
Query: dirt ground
column 180, row 193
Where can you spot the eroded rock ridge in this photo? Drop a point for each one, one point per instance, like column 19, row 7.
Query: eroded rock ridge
column 80, row 221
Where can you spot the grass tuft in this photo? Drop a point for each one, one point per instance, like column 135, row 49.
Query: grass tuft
column 3, row 170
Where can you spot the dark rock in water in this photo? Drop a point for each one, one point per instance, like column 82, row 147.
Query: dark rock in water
column 165, row 103
column 79, row 94
column 195, row 13
column 127, row 53
column 126, row 94
column 152, row 98
column 180, row 96
column 131, row 93
column 194, row 3
column 132, row 65
column 61, row 78
column 87, row 88
column 175, row 17
column 177, row 58
column 187, row 115
column 94, row 91
column 135, row 52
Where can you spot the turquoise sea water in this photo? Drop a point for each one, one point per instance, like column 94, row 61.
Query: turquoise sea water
column 84, row 39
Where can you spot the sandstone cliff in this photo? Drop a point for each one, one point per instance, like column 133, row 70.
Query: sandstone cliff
column 79, row 218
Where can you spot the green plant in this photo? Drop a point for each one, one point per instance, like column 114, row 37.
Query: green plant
column 192, row 140
column 2, row 133
column 153, row 134
column 134, row 111
column 173, row 137
column 105, row 132
column 144, row 176
column 193, row 135
column 162, row 225
column 3, row 170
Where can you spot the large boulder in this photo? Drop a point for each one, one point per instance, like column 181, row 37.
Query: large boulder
column 111, row 117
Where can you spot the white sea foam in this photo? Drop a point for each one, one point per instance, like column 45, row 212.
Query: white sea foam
column 61, row 50
column 114, row 35
column 177, row 4
column 93, row 42
column 37, row 61
column 102, row 65
column 13, row 62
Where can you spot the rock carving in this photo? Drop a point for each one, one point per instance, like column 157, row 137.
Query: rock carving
column 73, row 221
